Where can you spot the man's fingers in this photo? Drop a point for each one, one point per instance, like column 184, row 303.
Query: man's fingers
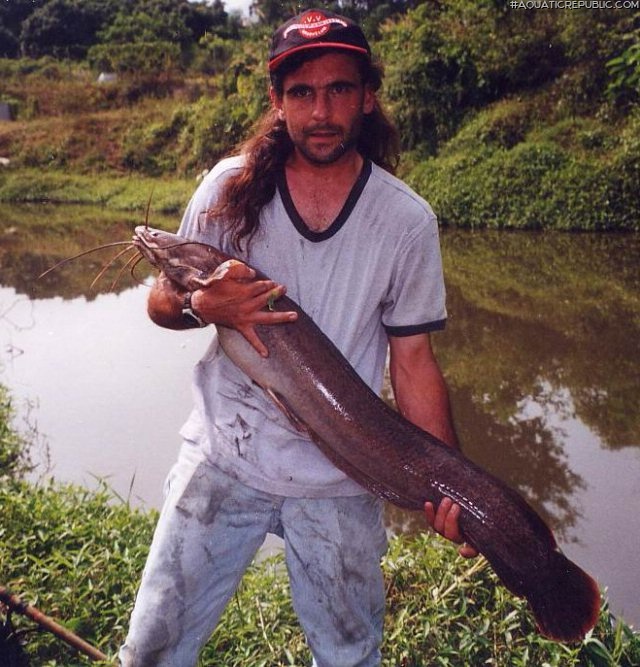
column 264, row 317
column 440, row 521
column 444, row 521
column 467, row 551
column 252, row 337
column 263, row 292
column 275, row 317
column 265, row 300
column 260, row 293
column 451, row 529
column 430, row 513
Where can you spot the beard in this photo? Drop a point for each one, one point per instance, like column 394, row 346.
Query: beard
column 315, row 157
column 320, row 156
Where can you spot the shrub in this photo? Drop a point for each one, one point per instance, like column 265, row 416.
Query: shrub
column 135, row 57
column 14, row 449
column 77, row 556
column 572, row 175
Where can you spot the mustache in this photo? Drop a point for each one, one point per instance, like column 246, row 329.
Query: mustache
column 325, row 127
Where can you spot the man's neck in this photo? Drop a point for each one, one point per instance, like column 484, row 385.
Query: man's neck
column 319, row 191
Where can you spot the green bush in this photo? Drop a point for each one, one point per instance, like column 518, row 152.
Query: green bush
column 14, row 449
column 624, row 71
column 503, row 171
column 77, row 556
column 135, row 57
column 151, row 150
column 430, row 78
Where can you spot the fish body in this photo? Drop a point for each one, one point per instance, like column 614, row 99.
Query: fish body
column 308, row 377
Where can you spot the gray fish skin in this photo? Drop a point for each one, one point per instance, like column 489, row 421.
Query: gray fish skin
column 321, row 393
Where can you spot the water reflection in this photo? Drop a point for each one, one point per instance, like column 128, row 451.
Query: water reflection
column 35, row 238
column 541, row 355
column 503, row 366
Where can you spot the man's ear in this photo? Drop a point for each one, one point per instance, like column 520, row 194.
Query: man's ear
column 369, row 101
column 276, row 102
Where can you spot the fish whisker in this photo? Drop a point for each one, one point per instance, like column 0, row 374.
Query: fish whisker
column 110, row 263
column 62, row 262
column 132, row 262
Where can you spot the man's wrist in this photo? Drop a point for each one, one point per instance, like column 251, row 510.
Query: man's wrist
column 189, row 311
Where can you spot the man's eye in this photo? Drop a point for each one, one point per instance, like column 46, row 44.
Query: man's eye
column 299, row 92
column 341, row 88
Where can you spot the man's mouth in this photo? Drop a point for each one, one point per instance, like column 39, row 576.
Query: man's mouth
column 322, row 132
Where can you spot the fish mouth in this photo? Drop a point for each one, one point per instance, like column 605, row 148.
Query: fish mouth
column 148, row 237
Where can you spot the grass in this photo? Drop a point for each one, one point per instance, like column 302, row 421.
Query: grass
column 77, row 555
column 129, row 193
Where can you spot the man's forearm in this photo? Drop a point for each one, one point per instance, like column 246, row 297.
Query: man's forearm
column 420, row 389
column 424, row 400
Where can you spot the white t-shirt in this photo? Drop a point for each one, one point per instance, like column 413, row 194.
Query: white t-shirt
column 375, row 272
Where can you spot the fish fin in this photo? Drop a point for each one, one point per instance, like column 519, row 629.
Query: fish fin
column 566, row 603
column 288, row 412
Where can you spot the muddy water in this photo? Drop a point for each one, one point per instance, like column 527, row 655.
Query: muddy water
column 541, row 355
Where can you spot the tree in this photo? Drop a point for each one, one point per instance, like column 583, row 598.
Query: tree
column 12, row 15
column 431, row 77
column 273, row 12
column 153, row 35
column 202, row 19
column 64, row 28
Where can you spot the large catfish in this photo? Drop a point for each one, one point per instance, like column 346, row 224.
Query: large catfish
column 320, row 392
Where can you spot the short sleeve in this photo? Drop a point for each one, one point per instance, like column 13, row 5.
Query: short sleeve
column 194, row 223
column 416, row 301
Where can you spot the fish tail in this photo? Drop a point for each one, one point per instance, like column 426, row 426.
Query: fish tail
column 566, row 601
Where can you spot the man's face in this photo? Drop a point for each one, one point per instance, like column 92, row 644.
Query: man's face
column 323, row 103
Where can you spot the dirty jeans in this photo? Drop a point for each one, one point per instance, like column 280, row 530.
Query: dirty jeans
column 209, row 530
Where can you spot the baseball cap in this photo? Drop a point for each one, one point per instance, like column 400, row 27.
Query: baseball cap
column 316, row 28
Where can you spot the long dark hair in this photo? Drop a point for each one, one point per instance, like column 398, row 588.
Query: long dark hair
column 266, row 150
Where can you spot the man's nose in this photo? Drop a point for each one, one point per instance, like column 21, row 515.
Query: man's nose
column 321, row 106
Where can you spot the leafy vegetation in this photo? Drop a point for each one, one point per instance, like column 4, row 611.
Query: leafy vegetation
column 126, row 193
column 77, row 555
column 540, row 103
column 575, row 174
column 70, row 28
column 14, row 455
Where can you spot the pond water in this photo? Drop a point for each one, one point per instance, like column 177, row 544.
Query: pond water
column 541, row 356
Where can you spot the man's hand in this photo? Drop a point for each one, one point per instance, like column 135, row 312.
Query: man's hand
column 445, row 522
column 235, row 299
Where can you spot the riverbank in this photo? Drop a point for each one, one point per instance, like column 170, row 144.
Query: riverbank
column 557, row 147
column 78, row 554
column 116, row 192
column 507, row 169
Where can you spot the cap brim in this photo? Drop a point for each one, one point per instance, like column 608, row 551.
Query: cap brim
column 275, row 62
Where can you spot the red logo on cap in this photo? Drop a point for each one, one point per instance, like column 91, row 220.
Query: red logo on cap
column 313, row 25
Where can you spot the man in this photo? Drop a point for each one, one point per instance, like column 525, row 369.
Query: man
column 311, row 202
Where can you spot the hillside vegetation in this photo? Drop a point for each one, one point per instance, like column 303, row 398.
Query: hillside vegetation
column 539, row 104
